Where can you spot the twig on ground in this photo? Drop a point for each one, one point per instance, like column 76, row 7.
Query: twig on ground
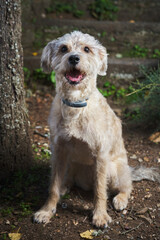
column 132, row 229
column 40, row 134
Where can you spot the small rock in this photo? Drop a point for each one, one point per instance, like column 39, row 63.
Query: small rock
column 86, row 207
column 148, row 196
column 133, row 156
column 106, row 237
column 158, row 160
column 158, row 205
column 124, row 212
column 8, row 222
column 45, row 145
column 140, row 160
column 119, row 55
column 118, row 111
column 64, row 205
column 43, row 15
column 127, row 227
column 38, row 127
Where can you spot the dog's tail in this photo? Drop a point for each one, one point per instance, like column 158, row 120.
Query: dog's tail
column 142, row 172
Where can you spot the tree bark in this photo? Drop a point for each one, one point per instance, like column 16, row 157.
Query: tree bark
column 15, row 146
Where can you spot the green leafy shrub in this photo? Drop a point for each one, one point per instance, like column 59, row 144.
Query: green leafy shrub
column 156, row 53
column 149, row 101
column 59, row 7
column 39, row 75
column 103, row 9
column 138, row 51
column 110, row 89
column 141, row 52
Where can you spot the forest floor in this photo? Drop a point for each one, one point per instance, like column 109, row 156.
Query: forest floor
column 26, row 191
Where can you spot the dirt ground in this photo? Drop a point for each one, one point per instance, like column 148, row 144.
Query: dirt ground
column 26, row 192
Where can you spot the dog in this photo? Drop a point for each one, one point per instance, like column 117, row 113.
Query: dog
column 85, row 133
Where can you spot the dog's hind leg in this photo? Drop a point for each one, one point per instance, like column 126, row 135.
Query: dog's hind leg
column 121, row 181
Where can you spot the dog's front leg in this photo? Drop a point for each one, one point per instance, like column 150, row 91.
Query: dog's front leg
column 100, row 215
column 58, row 173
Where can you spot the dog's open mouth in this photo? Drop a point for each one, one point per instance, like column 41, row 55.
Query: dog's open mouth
column 74, row 76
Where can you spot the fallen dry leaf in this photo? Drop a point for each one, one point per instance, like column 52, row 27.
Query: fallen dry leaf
column 34, row 54
column 142, row 211
column 75, row 222
column 148, row 220
column 15, row 236
column 146, row 159
column 155, row 137
column 87, row 234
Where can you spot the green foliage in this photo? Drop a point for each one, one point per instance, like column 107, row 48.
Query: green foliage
column 41, row 153
column 38, row 39
column 110, row 89
column 25, row 209
column 18, row 191
column 27, row 73
column 138, row 51
column 53, row 77
column 66, row 196
column 4, row 236
column 149, row 92
column 103, row 9
column 6, row 211
column 39, row 75
column 141, row 52
column 59, row 7
column 156, row 53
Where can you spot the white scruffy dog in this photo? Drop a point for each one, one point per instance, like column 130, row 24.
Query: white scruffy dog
column 86, row 135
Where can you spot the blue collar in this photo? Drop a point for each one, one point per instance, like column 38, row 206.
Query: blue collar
column 78, row 104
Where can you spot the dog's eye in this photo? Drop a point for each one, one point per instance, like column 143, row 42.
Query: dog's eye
column 64, row 49
column 86, row 49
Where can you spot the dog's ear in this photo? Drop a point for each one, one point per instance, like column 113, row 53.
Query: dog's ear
column 47, row 56
column 104, row 61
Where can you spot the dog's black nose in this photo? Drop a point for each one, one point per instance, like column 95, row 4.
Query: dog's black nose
column 74, row 59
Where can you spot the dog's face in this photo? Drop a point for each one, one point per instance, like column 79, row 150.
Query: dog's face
column 76, row 58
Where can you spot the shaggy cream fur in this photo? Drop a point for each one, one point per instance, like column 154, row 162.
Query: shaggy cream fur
column 87, row 144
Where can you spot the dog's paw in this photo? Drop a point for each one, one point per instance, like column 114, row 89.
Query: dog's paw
column 101, row 219
column 120, row 201
column 43, row 216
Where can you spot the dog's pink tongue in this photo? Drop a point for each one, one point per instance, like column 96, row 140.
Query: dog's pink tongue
column 74, row 77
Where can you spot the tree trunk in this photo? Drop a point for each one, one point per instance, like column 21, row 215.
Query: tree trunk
column 15, row 146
